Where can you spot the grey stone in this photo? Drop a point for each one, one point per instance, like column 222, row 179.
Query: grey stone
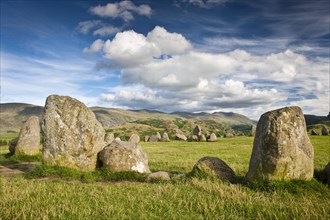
column 212, row 138
column 146, row 138
column 202, row 138
column 197, row 131
column 282, row 149
column 313, row 132
column 160, row 175
column 228, row 135
column 154, row 138
column 325, row 131
column 165, row 137
column 214, row 167
column 108, row 138
column 134, row 138
column 192, row 138
column 28, row 142
column 12, row 145
column 124, row 156
column 180, row 137
column 71, row 134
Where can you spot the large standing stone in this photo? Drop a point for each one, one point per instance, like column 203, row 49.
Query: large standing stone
column 124, row 156
column 180, row 137
column 72, row 135
column 165, row 137
column 281, row 149
column 215, row 167
column 29, row 137
column 146, row 138
column 154, row 138
column 212, row 138
column 202, row 138
column 325, row 130
column 198, row 131
column 134, row 138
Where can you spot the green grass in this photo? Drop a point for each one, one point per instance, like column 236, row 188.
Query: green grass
column 73, row 194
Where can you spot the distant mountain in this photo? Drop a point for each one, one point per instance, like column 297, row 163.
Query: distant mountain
column 13, row 115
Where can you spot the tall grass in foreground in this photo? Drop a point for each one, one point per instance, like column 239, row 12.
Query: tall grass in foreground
column 67, row 198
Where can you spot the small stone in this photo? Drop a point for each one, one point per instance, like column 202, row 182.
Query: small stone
column 202, row 138
column 28, row 142
column 192, row 138
column 325, row 131
column 108, row 138
column 180, row 137
column 313, row 132
column 160, row 175
column 165, row 137
column 146, row 138
column 212, row 138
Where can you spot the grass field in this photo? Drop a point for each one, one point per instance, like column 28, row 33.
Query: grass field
column 62, row 198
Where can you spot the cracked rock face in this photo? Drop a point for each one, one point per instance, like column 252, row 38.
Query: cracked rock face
column 72, row 137
column 282, row 149
column 124, row 156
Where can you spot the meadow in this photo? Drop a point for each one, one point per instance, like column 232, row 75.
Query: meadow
column 45, row 194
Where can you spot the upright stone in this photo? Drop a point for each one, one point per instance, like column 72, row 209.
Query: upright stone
column 29, row 137
column 325, row 130
column 124, row 156
column 165, row 137
column 313, row 132
column 202, row 138
column 198, row 131
column 212, row 138
column 72, row 135
column 192, row 138
column 134, row 138
column 180, row 137
column 281, row 149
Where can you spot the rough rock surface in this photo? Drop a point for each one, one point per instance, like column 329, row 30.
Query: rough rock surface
column 325, row 130
column 180, row 137
column 313, row 132
column 134, row 138
column 108, row 138
column 154, row 138
column 197, row 131
column 12, row 145
column 228, row 135
column 202, row 138
column 146, row 138
column 212, row 138
column 158, row 136
column 72, row 135
column 327, row 171
column 29, row 137
column 192, row 138
column 282, row 149
column 124, row 156
column 215, row 167
column 165, row 137
column 160, row 175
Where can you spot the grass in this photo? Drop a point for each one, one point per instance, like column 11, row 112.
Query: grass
column 99, row 195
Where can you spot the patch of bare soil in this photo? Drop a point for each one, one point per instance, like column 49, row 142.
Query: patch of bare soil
column 17, row 168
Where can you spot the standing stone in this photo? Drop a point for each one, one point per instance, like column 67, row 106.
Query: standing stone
column 228, row 135
column 192, row 138
column 180, row 137
column 12, row 145
column 313, row 132
column 281, row 148
column 124, row 156
column 197, row 131
column 154, row 138
column 146, row 138
column 212, row 138
column 165, row 137
column 134, row 138
column 72, row 135
column 108, row 138
column 29, row 137
column 215, row 167
column 159, row 137
column 202, row 138
column 325, row 130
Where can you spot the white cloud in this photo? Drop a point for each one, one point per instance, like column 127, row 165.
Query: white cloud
column 203, row 3
column 96, row 46
column 86, row 26
column 169, row 43
column 123, row 9
column 159, row 75
column 106, row 31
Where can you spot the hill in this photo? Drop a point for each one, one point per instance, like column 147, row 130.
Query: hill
column 13, row 115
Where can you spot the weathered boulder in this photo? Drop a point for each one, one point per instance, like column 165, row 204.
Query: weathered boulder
column 154, row 138
column 71, row 134
column 197, row 131
column 313, row 132
column 327, row 171
column 160, row 175
column 146, row 138
column 214, row 167
column 134, row 138
column 12, row 145
column 212, row 138
column 180, row 137
column 192, row 138
column 325, row 131
column 158, row 136
column 228, row 135
column 108, row 138
column 281, row 149
column 124, row 156
column 29, row 137
column 165, row 137
column 202, row 138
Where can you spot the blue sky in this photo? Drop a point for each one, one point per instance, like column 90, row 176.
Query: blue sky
column 173, row 55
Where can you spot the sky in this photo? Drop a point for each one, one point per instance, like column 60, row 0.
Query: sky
column 239, row 56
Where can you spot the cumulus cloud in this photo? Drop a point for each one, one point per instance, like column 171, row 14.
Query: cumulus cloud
column 106, row 31
column 163, row 71
column 95, row 47
column 124, row 10
column 86, row 26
